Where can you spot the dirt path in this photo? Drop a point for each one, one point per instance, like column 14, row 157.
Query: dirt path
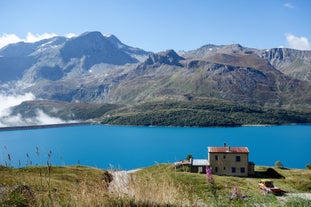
column 287, row 196
column 120, row 184
column 306, row 196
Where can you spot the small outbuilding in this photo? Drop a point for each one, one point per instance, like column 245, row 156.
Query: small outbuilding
column 198, row 165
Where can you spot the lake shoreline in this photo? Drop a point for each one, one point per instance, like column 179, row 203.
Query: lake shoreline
column 12, row 128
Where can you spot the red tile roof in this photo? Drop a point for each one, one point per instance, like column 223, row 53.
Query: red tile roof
column 228, row 149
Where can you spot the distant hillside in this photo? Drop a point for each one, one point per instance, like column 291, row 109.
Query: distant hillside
column 203, row 113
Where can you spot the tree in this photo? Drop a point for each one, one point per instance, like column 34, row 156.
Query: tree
column 308, row 166
column 189, row 157
column 278, row 164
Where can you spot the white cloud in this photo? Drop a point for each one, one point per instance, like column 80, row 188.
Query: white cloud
column 37, row 37
column 7, row 119
column 299, row 43
column 70, row 35
column 288, row 5
column 6, row 39
column 8, row 101
column 42, row 118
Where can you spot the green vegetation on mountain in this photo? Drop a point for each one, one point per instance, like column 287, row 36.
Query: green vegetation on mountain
column 201, row 113
column 194, row 112
column 63, row 110
column 159, row 185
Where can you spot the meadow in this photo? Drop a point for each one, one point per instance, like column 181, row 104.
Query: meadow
column 158, row 185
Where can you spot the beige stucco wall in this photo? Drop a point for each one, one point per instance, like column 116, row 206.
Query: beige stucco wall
column 227, row 161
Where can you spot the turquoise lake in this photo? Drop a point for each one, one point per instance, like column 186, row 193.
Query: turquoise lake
column 124, row 147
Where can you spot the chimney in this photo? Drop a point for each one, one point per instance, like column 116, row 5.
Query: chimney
column 225, row 144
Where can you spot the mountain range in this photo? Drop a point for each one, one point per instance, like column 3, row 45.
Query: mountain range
column 99, row 70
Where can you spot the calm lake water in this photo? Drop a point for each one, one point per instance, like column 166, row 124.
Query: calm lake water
column 134, row 147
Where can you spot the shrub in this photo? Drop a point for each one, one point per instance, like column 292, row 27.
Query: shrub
column 189, row 157
column 308, row 166
column 278, row 164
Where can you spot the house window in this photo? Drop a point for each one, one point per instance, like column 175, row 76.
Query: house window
column 216, row 169
column 216, row 157
column 224, row 156
column 233, row 169
column 242, row 169
column 224, row 168
column 238, row 158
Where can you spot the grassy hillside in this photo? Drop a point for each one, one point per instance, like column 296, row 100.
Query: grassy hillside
column 159, row 185
column 194, row 190
column 54, row 186
column 209, row 112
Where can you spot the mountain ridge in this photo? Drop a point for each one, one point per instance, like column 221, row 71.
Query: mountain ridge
column 100, row 69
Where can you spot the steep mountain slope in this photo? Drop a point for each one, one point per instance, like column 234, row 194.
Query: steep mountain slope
column 295, row 63
column 247, row 79
column 15, row 59
column 56, row 58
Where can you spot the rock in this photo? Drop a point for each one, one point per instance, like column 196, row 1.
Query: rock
column 17, row 195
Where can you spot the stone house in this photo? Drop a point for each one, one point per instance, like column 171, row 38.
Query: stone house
column 232, row 161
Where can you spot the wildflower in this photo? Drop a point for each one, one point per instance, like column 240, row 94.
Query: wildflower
column 209, row 176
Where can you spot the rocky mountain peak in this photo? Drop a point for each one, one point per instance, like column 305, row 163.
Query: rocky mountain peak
column 114, row 40
column 91, row 35
column 168, row 57
column 22, row 49
column 295, row 63
column 60, row 55
column 96, row 48
column 86, row 42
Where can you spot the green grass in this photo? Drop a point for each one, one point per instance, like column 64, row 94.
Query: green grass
column 159, row 185
column 194, row 190
column 64, row 186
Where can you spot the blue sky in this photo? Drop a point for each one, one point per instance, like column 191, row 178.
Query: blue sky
column 163, row 24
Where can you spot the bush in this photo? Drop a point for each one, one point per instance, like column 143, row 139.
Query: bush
column 308, row 166
column 278, row 164
column 189, row 157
